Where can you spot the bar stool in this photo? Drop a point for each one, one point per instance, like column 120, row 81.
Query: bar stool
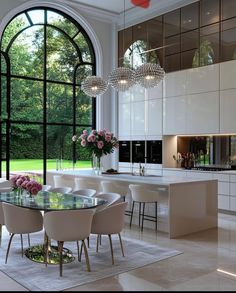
column 142, row 195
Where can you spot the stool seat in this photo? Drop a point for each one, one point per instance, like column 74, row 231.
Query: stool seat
column 142, row 195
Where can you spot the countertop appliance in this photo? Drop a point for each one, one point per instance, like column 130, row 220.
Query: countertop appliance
column 154, row 151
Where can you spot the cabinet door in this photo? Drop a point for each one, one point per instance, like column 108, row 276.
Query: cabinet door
column 174, row 115
column 227, row 74
column 227, row 111
column 138, row 123
column 124, row 121
column 154, row 117
column 203, row 113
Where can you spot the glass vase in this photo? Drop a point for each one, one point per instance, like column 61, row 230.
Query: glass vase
column 97, row 167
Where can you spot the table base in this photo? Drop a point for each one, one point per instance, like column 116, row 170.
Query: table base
column 37, row 253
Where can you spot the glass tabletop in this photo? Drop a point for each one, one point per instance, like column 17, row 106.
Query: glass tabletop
column 51, row 201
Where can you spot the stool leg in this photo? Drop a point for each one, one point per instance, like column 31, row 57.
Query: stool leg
column 143, row 216
column 156, row 214
column 139, row 214
column 132, row 211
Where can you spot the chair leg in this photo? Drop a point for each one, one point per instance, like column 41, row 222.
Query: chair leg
column 46, row 249
column 81, row 250
column 88, row 241
column 121, row 244
column 60, row 248
column 86, row 256
column 131, row 217
column 8, row 248
column 143, row 216
column 139, row 214
column 112, row 256
column 98, row 238
column 77, row 242
column 22, row 248
column 156, row 214
column 29, row 240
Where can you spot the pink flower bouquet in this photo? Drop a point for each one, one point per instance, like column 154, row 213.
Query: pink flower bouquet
column 20, row 182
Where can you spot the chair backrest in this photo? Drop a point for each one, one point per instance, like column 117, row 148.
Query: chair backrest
column 2, row 221
column 141, row 193
column 70, row 225
column 20, row 220
column 62, row 190
column 110, row 198
column 109, row 186
column 5, row 183
column 84, row 183
column 86, row 192
column 59, row 181
column 46, row 187
column 109, row 220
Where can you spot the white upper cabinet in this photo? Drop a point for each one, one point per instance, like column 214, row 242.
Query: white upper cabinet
column 175, row 84
column 228, row 75
column 202, row 113
column 124, row 121
column 138, row 119
column 154, row 117
column 227, row 111
column 124, row 97
column 155, row 92
column 174, row 115
column 137, row 93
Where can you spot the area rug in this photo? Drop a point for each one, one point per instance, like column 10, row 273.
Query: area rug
column 37, row 277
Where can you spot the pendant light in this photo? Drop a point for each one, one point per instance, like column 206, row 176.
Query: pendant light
column 149, row 75
column 122, row 78
column 94, row 86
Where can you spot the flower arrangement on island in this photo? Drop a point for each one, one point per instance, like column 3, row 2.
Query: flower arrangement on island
column 98, row 142
column 23, row 182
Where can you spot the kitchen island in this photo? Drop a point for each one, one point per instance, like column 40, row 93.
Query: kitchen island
column 187, row 205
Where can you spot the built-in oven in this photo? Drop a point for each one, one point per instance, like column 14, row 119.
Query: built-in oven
column 124, row 151
column 154, row 151
column 138, row 151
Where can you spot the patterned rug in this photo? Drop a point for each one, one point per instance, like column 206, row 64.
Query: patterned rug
column 37, row 277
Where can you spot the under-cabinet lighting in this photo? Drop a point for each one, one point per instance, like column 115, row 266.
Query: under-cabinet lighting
column 213, row 134
column 225, row 272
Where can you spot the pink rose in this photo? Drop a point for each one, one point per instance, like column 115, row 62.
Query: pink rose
column 117, row 145
column 83, row 142
column 100, row 144
column 34, row 190
column 94, row 132
column 19, row 182
column 101, row 132
column 29, row 185
column 107, row 138
column 23, row 185
column 85, row 132
column 91, row 138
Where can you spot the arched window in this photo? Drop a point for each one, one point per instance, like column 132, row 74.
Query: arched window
column 50, row 55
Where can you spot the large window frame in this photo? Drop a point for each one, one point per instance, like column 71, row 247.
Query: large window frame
column 7, row 121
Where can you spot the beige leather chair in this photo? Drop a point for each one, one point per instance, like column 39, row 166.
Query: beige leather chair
column 142, row 195
column 21, row 221
column 2, row 221
column 109, row 186
column 85, row 192
column 110, row 221
column 71, row 225
column 110, row 198
column 61, row 190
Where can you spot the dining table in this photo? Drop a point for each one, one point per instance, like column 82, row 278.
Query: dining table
column 46, row 201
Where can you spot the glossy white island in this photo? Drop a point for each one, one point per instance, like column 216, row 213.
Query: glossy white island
column 186, row 205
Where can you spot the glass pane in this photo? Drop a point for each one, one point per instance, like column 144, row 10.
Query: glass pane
column 83, row 157
column 187, row 59
column 172, row 45
column 155, row 39
column 209, row 11
column 59, row 147
column 26, row 53
column 190, row 17
column 62, row 22
column 136, row 55
column 17, row 24
column 228, row 40
column 83, row 108
column 127, row 35
column 172, row 23
column 190, row 40
column 27, row 150
column 37, row 16
column 209, row 44
column 3, row 65
column 82, row 72
column 228, row 9
column 60, row 103
column 26, row 100
column 172, row 63
column 80, row 40
column 3, row 97
column 61, row 56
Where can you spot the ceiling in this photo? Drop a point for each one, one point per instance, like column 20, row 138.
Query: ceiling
column 118, row 6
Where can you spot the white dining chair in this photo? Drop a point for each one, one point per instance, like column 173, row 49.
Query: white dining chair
column 62, row 190
column 109, row 186
column 110, row 221
column 110, row 198
column 85, row 192
column 20, row 220
column 2, row 221
column 85, row 183
column 71, row 225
